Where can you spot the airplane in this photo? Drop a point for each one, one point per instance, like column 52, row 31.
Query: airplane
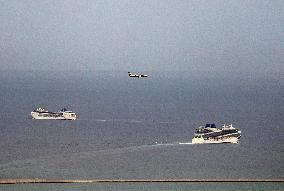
column 137, row 75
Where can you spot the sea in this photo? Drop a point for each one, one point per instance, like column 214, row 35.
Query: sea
column 141, row 128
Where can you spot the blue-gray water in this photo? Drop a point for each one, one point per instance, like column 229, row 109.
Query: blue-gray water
column 150, row 186
column 121, row 119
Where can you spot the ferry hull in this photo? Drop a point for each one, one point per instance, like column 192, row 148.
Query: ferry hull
column 234, row 140
column 46, row 116
column 37, row 116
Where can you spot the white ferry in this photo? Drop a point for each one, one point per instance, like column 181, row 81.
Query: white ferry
column 63, row 114
column 211, row 134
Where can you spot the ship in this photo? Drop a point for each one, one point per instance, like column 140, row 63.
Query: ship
column 131, row 75
column 212, row 134
column 63, row 114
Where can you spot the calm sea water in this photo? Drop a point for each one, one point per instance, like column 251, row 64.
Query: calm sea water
column 150, row 186
column 121, row 120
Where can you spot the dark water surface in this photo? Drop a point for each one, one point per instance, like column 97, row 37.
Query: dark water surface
column 150, row 186
column 121, row 119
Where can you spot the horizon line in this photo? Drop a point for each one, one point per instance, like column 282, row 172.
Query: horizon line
column 50, row 181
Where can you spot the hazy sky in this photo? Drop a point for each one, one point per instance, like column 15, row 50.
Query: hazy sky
column 174, row 35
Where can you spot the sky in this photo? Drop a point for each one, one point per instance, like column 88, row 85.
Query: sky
column 146, row 35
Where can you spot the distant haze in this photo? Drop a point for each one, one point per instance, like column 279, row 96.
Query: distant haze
column 149, row 35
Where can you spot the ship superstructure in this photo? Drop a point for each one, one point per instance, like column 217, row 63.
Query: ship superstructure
column 211, row 134
column 63, row 114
